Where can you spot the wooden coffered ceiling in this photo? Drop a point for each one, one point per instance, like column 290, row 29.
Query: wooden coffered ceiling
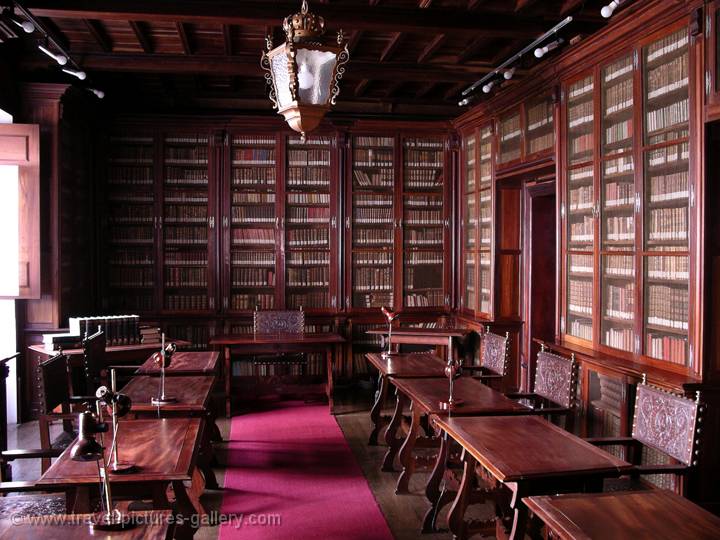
column 408, row 57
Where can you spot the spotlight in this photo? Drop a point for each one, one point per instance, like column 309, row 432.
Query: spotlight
column 59, row 58
column 508, row 74
column 464, row 102
column 542, row 51
column 489, row 86
column 99, row 93
column 27, row 26
column 79, row 74
column 608, row 10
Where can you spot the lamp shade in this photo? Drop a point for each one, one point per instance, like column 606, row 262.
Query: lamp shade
column 86, row 448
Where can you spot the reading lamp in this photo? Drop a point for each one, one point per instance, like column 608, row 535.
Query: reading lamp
column 119, row 405
column 162, row 359
column 452, row 370
column 87, row 448
column 390, row 316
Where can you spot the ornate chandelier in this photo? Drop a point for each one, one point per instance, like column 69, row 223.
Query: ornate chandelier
column 303, row 73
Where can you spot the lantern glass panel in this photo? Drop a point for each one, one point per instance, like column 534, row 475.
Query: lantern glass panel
column 315, row 71
column 280, row 76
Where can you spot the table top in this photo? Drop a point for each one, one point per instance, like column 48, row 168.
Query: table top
column 115, row 348
column 192, row 393
column 478, row 398
column 656, row 514
column 184, row 363
column 163, row 450
column 413, row 365
column 148, row 525
column 433, row 332
column 515, row 448
column 282, row 339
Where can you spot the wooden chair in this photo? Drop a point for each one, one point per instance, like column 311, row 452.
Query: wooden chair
column 280, row 322
column 94, row 361
column 667, row 424
column 493, row 359
column 27, row 505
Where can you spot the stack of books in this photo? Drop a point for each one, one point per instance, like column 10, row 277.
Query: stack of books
column 149, row 335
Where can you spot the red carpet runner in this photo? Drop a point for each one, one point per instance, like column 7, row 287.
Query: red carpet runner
column 292, row 464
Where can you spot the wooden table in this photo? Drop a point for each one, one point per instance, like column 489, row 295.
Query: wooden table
column 184, row 364
column 249, row 344
column 148, row 526
column 527, row 454
column 165, row 452
column 432, row 336
column 656, row 514
column 425, row 395
column 114, row 355
column 397, row 366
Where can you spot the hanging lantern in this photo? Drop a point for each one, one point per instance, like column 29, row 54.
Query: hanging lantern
column 303, row 73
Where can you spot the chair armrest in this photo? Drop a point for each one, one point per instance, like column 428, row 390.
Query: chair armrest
column 12, row 455
column 612, row 441
column 666, row 468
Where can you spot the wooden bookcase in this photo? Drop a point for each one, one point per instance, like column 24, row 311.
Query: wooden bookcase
column 712, row 60
column 628, row 205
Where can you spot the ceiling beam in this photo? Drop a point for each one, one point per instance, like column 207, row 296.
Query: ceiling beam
column 354, row 40
column 249, row 66
column 227, row 39
column 142, row 37
column 97, row 31
column 256, row 13
column 520, row 5
column 425, row 89
column 454, row 90
column 431, row 47
column 391, row 47
column 471, row 50
column 394, row 87
column 184, row 39
column 361, row 87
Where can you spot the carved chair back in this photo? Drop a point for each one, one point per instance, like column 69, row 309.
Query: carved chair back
column 666, row 422
column 94, row 359
column 53, row 383
column 279, row 322
column 555, row 378
column 494, row 352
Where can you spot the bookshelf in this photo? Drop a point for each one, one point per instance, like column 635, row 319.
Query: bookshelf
column 424, row 225
column 469, row 223
column 132, row 223
column 372, row 220
column 485, row 222
column 539, row 125
column 186, row 223
column 253, row 223
column 628, row 206
column 510, row 138
column 307, row 224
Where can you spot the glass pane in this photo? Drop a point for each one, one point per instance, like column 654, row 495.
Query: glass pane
column 581, row 202
column 667, row 106
column 510, row 137
column 605, row 411
column 485, row 157
column 279, row 66
column 618, row 300
column 667, row 198
column 618, row 204
column 667, row 308
column 540, row 125
column 486, row 213
column 470, row 164
column 579, row 296
column 470, row 293
column 307, row 223
column 485, row 282
column 315, row 70
column 617, row 96
column 580, row 119
column 252, row 224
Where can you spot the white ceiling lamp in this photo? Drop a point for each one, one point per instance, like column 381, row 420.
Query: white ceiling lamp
column 542, row 51
column 61, row 59
column 99, row 93
column 608, row 10
column 76, row 73
column 508, row 74
column 488, row 86
column 27, row 26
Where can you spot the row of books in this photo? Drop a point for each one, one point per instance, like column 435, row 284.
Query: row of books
column 580, row 264
column 619, row 266
column 423, row 277
column 423, row 158
column 186, row 258
column 620, row 228
column 668, row 307
column 186, row 197
column 582, row 231
column 423, row 143
column 131, row 176
column 118, row 329
column 309, row 300
column 252, row 140
column 384, row 178
column 430, row 179
column 622, row 131
column 372, row 237
column 253, row 198
column 580, row 296
column 667, row 45
column 509, row 155
column 618, row 97
column 669, row 348
column 669, row 187
column 581, row 198
column 667, row 155
column 186, row 277
column 249, row 258
column 139, row 154
column 372, row 279
column 623, row 165
column 310, row 141
column 539, row 115
column 429, row 298
column 253, row 237
column 372, row 258
column 581, row 175
column 668, row 224
column 308, row 198
column 309, row 158
column 424, row 237
column 253, row 214
column 129, row 257
column 580, row 114
column 373, row 300
column 186, row 155
column 543, row 142
column 370, row 157
column 581, row 328
column 308, row 237
column 187, row 139
column 189, row 213
column 374, row 141
column 618, row 69
column 131, row 277
column 308, row 258
column 239, row 302
column 620, row 338
column 252, row 176
column 252, row 277
column 423, row 217
column 253, row 156
column 619, row 194
column 668, row 116
column 303, row 177
column 313, row 214
column 422, row 258
column 373, row 216
column 186, row 302
column 581, row 145
column 581, row 88
column 132, row 214
column 132, row 235
column 668, row 78
column 673, row 268
column 424, row 201
column 372, row 199
column 182, row 175
column 509, row 128
column 308, row 277
column 186, row 235
column 620, row 301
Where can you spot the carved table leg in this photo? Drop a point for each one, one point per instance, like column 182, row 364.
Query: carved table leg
column 432, row 489
column 520, row 512
column 407, row 459
column 329, row 352
column 456, row 517
column 393, row 443
column 184, row 508
column 376, row 411
column 228, row 380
